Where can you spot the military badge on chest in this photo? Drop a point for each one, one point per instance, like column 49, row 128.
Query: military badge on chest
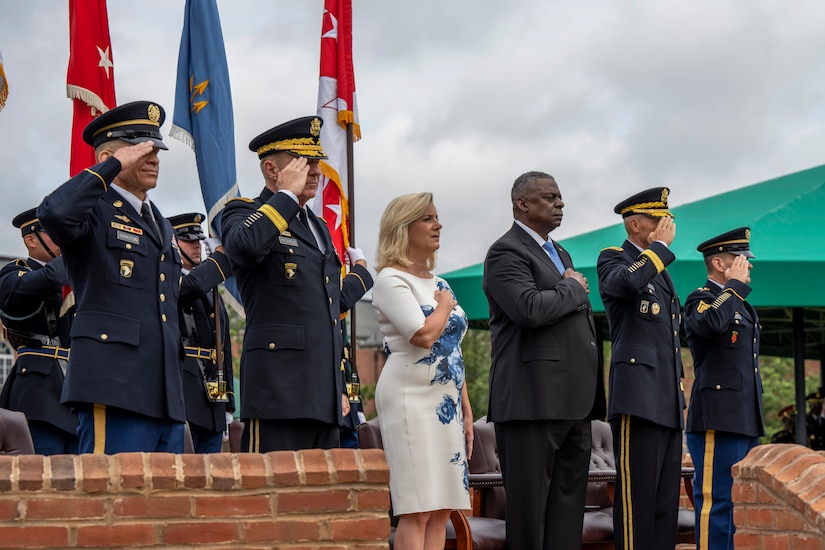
column 126, row 268
column 290, row 270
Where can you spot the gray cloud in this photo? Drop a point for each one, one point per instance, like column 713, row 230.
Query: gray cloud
column 459, row 97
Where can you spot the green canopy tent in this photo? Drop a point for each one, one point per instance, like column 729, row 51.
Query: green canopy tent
column 787, row 218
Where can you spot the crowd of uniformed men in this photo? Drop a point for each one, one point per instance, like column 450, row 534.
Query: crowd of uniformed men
column 122, row 339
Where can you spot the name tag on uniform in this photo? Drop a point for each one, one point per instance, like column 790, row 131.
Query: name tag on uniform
column 289, row 241
column 127, row 228
column 128, row 237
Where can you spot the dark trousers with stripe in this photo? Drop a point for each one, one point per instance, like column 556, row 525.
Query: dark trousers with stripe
column 714, row 454
column 646, row 499
column 110, row 430
column 264, row 436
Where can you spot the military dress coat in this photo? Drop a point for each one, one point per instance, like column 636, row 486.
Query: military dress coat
column 723, row 333
column 293, row 296
column 31, row 298
column 196, row 301
column 643, row 313
column 126, row 346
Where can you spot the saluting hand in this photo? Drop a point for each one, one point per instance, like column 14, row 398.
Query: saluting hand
column 740, row 270
column 293, row 176
column 665, row 231
column 131, row 155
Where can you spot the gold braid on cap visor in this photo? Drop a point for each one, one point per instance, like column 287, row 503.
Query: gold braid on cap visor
column 305, row 146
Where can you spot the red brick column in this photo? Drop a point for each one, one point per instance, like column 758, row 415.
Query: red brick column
column 779, row 499
column 330, row 500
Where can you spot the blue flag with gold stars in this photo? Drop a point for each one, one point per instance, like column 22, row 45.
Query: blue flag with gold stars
column 203, row 116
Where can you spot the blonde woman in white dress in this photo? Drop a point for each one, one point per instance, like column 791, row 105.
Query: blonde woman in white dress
column 421, row 398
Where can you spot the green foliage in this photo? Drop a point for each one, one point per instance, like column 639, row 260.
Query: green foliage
column 476, row 351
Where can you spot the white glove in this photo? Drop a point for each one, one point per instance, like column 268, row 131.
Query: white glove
column 229, row 419
column 211, row 245
column 355, row 254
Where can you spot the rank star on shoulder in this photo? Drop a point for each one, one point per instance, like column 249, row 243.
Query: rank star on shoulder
column 105, row 62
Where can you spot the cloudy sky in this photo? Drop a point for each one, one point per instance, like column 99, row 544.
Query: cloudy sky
column 458, row 97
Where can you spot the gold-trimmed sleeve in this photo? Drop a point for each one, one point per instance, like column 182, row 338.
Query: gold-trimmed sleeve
column 105, row 187
column 657, row 261
column 219, row 267
column 363, row 284
column 274, row 216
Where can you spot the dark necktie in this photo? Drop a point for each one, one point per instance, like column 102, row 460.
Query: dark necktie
column 554, row 255
column 302, row 214
column 146, row 214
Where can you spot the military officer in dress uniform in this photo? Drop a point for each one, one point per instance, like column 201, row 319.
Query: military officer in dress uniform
column 124, row 376
column 815, row 422
column 725, row 414
column 645, row 398
column 207, row 392
column 36, row 322
column 788, row 432
column 289, row 276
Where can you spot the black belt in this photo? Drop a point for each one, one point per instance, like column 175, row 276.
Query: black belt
column 52, row 352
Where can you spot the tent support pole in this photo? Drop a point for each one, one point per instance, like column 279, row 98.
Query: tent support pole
column 799, row 374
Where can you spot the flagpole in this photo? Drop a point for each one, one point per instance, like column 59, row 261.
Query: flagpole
column 351, row 213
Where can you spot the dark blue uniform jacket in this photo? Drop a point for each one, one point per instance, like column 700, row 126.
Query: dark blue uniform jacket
column 126, row 348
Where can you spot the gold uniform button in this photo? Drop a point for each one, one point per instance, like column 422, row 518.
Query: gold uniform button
column 632, row 359
column 163, row 317
column 675, row 332
column 162, row 257
column 291, row 251
column 672, row 315
column 718, row 387
column 326, row 279
column 212, row 315
column 754, row 355
column 162, row 277
column 104, row 336
column 756, row 369
column 272, row 345
column 330, row 301
column 128, row 246
column 163, row 297
column 754, row 340
column 23, row 369
column 335, row 322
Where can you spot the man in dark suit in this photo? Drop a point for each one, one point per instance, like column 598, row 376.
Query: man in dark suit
column 725, row 415
column 208, row 392
column 645, row 395
column 546, row 378
column 36, row 322
column 124, row 375
column 289, row 276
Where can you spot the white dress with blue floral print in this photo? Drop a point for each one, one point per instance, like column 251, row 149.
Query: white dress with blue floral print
column 418, row 397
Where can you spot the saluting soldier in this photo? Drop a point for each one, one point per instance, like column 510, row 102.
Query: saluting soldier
column 207, row 392
column 724, row 419
column 289, row 276
column 36, row 323
column 645, row 398
column 124, row 376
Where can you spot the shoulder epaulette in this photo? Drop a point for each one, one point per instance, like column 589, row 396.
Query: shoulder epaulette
column 20, row 262
column 703, row 289
column 242, row 199
column 616, row 248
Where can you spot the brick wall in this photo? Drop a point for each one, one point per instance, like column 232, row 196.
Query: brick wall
column 779, row 499
column 322, row 500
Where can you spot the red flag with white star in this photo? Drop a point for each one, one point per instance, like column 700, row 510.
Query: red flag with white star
column 90, row 79
column 337, row 108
